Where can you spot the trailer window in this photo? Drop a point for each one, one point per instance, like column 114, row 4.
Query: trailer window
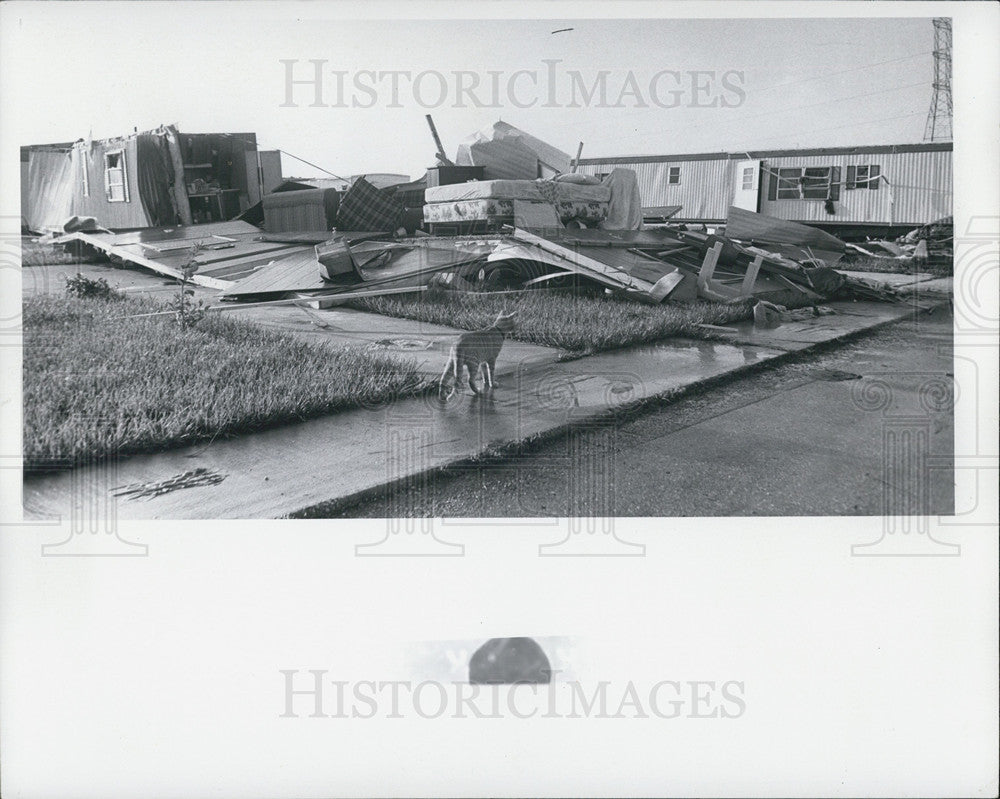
column 816, row 183
column 810, row 183
column 863, row 177
column 748, row 178
column 788, row 183
column 673, row 175
column 116, row 177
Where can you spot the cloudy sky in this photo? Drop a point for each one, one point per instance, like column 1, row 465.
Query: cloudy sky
column 620, row 86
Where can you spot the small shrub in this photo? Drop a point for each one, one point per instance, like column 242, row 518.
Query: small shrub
column 187, row 312
column 90, row 288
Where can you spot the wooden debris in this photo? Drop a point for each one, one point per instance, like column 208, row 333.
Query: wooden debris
column 190, row 479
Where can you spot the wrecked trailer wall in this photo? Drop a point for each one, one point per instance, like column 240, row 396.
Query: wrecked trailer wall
column 703, row 187
column 90, row 198
column 140, row 180
column 706, row 183
column 49, row 190
column 920, row 190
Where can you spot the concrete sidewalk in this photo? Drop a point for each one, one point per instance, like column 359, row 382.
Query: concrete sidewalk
column 308, row 467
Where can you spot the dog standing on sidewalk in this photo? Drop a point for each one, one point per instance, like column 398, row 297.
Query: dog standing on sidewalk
column 476, row 351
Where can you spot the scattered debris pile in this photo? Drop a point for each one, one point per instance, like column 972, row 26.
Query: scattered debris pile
column 931, row 245
column 509, row 213
column 646, row 265
column 791, row 239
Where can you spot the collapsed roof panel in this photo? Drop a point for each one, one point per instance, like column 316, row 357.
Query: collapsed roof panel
column 229, row 250
column 792, row 238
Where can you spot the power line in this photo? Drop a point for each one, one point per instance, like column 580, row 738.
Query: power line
column 844, row 71
column 792, row 83
column 852, row 125
column 258, row 146
column 310, row 163
column 792, row 108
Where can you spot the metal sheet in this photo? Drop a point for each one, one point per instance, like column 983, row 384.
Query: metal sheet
column 752, row 227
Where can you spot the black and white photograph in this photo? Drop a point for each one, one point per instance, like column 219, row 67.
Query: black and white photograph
column 499, row 398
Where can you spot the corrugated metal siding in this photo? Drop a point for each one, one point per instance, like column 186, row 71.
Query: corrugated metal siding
column 704, row 193
column 921, row 190
column 295, row 210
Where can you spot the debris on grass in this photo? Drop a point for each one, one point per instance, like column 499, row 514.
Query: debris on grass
column 579, row 324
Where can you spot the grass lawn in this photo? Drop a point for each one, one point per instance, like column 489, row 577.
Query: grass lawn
column 582, row 325
column 97, row 384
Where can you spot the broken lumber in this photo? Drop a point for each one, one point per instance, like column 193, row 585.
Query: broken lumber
column 445, row 161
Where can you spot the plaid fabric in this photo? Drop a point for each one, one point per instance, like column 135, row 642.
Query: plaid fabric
column 410, row 198
column 365, row 208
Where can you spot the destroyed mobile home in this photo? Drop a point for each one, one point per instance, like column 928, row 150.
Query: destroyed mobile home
column 509, row 213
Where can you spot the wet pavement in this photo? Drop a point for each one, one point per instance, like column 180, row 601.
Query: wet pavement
column 866, row 428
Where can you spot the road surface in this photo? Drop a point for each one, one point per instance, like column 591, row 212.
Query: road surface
column 864, row 428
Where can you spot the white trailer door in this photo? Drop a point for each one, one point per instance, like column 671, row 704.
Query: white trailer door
column 746, row 192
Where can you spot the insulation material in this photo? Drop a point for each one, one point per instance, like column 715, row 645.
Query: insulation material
column 625, row 206
column 155, row 174
column 50, row 190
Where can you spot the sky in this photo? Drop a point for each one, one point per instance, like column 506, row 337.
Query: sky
column 672, row 85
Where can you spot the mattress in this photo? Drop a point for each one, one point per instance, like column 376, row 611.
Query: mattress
column 502, row 211
column 534, row 190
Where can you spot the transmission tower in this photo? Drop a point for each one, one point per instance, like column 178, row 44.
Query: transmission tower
column 938, row 127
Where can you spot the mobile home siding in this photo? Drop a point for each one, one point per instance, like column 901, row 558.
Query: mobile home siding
column 704, row 191
column 919, row 190
column 920, row 178
column 109, row 214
